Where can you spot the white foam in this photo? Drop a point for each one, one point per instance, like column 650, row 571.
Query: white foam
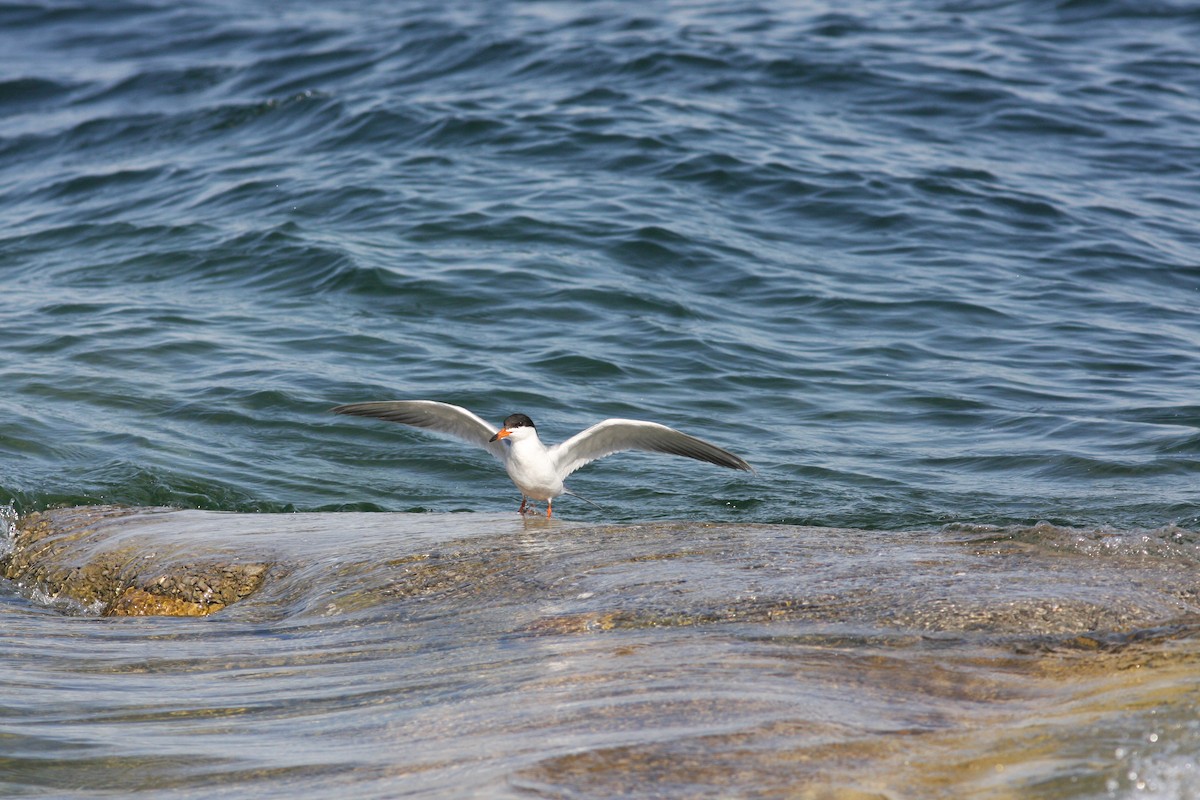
column 8, row 528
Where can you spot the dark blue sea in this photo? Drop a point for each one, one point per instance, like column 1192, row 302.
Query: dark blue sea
column 927, row 266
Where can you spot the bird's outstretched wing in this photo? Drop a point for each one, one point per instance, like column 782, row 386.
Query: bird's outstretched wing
column 441, row 417
column 615, row 435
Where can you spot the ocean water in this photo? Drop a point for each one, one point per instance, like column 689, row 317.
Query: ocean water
column 923, row 264
column 917, row 262
column 481, row 655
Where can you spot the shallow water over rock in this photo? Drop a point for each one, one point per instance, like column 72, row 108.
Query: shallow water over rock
column 452, row 655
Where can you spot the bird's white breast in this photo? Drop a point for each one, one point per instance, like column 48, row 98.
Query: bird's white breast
column 531, row 468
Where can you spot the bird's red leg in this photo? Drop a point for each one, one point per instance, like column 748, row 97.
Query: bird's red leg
column 549, row 508
column 521, row 510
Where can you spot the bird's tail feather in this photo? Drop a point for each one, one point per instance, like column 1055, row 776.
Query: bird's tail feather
column 584, row 499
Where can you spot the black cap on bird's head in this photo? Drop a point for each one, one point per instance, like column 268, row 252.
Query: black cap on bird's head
column 510, row 422
column 518, row 421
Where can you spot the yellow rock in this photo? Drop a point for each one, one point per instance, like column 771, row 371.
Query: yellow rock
column 135, row 602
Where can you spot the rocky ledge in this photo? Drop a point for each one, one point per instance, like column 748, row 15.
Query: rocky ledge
column 72, row 554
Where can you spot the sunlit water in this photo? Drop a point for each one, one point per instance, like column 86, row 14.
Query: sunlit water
column 921, row 264
column 396, row 654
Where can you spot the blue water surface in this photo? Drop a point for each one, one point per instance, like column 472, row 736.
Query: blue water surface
column 918, row 262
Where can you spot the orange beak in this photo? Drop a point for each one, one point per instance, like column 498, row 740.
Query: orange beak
column 500, row 434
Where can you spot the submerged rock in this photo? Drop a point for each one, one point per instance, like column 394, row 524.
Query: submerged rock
column 84, row 555
column 1036, row 587
column 666, row 659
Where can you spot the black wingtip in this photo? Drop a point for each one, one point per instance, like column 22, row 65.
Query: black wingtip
column 736, row 463
column 691, row 447
column 376, row 410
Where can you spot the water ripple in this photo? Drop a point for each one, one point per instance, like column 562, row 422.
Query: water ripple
column 914, row 262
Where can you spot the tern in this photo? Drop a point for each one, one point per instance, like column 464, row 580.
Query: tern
column 538, row 470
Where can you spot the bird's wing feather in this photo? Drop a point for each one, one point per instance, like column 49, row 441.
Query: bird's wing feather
column 616, row 435
column 441, row 417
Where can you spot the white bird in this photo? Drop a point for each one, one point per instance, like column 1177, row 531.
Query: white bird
column 538, row 470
